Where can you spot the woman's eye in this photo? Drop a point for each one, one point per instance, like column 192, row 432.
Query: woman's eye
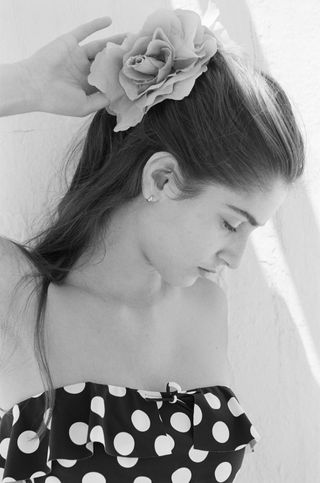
column 229, row 227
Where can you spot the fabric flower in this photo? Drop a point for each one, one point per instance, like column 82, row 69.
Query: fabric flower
column 162, row 61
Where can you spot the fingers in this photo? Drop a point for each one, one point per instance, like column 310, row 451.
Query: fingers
column 88, row 28
column 117, row 38
column 95, row 102
column 92, row 48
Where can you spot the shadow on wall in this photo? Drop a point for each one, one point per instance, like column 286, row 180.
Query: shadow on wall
column 280, row 339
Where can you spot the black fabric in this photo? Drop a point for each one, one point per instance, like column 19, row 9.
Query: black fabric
column 101, row 433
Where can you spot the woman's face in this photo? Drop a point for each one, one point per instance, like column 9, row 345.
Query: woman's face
column 178, row 237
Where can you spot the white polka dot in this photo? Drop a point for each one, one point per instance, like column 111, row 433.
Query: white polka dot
column 4, row 445
column 142, row 393
column 240, row 447
column 75, row 388
column 182, row 475
column 93, row 477
column 235, row 407
column 96, row 434
column 78, row 433
column 47, row 415
column 164, row 445
column 1, row 472
column 142, row 479
column 8, row 479
column 220, row 432
column 152, row 395
column 123, row 443
column 213, row 400
column 97, row 405
column 126, row 462
column 140, row 420
column 223, row 471
column 66, row 463
column 37, row 395
column 15, row 413
column 117, row 391
column 25, row 444
column 197, row 455
column 37, row 473
column 180, row 422
column 197, row 414
column 52, row 479
column 149, row 394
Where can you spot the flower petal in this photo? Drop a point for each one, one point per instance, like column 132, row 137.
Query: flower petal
column 162, row 61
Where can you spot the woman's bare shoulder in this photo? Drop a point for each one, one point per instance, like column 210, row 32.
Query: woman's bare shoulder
column 212, row 300
column 212, row 295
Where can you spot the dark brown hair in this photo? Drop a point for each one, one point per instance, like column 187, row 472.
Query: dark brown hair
column 235, row 128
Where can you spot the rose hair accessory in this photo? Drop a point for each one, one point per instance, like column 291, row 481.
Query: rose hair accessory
column 162, row 61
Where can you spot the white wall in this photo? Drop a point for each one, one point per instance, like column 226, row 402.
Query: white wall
column 274, row 302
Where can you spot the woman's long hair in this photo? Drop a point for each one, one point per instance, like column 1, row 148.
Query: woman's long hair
column 236, row 128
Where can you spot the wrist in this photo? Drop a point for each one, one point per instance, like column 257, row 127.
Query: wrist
column 31, row 95
column 17, row 94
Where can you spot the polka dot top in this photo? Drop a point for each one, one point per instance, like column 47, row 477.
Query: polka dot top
column 100, row 433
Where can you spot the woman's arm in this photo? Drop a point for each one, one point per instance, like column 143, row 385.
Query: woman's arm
column 17, row 95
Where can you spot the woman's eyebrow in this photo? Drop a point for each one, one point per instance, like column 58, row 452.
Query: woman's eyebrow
column 247, row 215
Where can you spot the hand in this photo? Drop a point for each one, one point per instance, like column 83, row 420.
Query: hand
column 58, row 72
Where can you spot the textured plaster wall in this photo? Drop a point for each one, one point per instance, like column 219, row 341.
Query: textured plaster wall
column 274, row 303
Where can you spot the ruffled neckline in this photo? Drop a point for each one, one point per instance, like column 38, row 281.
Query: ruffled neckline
column 152, row 394
column 88, row 412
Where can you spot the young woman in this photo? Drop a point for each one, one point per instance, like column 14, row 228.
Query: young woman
column 114, row 364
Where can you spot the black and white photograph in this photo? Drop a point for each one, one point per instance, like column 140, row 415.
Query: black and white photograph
column 159, row 241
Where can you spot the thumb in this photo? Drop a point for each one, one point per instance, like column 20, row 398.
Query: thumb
column 94, row 102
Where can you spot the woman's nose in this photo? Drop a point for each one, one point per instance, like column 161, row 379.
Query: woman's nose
column 232, row 255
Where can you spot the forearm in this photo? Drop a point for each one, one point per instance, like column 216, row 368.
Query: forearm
column 17, row 95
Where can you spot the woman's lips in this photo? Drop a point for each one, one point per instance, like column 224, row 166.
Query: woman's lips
column 210, row 275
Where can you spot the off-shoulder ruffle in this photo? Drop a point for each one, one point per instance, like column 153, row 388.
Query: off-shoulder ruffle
column 118, row 418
